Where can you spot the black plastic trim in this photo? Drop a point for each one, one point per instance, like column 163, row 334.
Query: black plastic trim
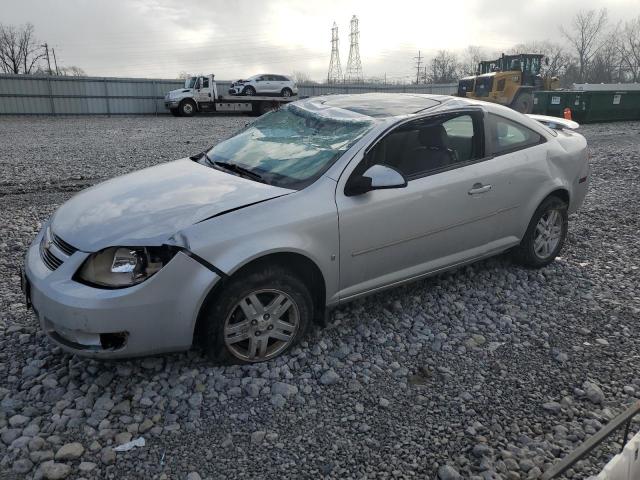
column 203, row 262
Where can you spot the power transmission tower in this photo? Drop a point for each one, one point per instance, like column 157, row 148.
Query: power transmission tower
column 418, row 60
column 55, row 62
column 335, row 70
column 46, row 47
column 354, row 65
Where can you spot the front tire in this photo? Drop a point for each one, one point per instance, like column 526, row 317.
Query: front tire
column 175, row 112
column 545, row 234
column 257, row 316
column 187, row 108
column 249, row 91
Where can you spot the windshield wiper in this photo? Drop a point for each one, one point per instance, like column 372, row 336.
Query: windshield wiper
column 234, row 167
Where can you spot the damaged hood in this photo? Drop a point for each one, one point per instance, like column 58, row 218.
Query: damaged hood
column 149, row 206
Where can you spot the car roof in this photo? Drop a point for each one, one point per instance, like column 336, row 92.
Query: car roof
column 382, row 105
column 389, row 106
column 269, row 74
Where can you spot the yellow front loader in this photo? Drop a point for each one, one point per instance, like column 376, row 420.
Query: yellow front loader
column 509, row 80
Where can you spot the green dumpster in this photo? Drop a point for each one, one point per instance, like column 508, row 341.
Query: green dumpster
column 540, row 100
column 589, row 106
column 610, row 106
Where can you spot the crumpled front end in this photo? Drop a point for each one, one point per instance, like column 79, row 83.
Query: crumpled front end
column 157, row 315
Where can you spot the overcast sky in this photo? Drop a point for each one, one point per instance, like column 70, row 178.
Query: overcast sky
column 233, row 39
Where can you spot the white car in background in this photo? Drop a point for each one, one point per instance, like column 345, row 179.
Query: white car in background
column 265, row 84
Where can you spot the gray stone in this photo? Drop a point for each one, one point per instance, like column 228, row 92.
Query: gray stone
column 108, row 456
column 447, row 472
column 284, row 389
column 70, row 451
column 87, row 466
column 122, row 437
column 593, row 392
column 145, row 426
column 258, row 437
column 22, row 466
column 553, row 407
column 278, row 400
column 329, row 377
column 55, row 471
column 18, row 421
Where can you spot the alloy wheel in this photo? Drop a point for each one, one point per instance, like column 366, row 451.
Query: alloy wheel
column 261, row 325
column 548, row 234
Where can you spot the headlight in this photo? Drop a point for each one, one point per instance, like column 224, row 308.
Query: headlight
column 120, row 267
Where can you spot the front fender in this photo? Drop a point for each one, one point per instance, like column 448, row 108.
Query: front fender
column 305, row 222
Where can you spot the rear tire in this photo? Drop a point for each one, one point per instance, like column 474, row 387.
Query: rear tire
column 545, row 234
column 249, row 91
column 257, row 316
column 523, row 103
column 286, row 92
column 187, row 108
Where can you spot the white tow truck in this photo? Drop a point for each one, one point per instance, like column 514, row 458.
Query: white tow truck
column 200, row 94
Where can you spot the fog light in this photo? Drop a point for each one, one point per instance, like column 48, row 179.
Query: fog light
column 113, row 341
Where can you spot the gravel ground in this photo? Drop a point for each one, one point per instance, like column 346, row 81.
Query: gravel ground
column 491, row 371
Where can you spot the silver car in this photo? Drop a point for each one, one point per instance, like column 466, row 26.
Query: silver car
column 242, row 247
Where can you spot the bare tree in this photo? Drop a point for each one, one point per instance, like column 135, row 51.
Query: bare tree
column 585, row 36
column 629, row 45
column 607, row 65
column 471, row 57
column 443, row 68
column 72, row 71
column 301, row 77
column 19, row 50
column 556, row 57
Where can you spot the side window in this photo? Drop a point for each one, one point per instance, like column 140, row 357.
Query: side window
column 430, row 145
column 500, row 85
column 205, row 82
column 507, row 135
column 260, row 79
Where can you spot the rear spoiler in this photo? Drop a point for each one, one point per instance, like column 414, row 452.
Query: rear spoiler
column 555, row 122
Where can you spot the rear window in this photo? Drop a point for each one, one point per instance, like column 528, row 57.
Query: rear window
column 507, row 135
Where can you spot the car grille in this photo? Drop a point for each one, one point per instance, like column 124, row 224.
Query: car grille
column 54, row 251
column 62, row 245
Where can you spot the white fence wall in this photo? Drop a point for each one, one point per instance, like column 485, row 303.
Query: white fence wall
column 54, row 95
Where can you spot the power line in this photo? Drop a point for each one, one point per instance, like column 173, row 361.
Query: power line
column 354, row 65
column 418, row 60
column 46, row 47
column 55, row 62
column 335, row 70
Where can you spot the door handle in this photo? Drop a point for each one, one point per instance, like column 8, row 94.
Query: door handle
column 479, row 188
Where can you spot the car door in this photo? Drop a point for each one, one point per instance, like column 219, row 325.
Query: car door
column 443, row 216
column 202, row 92
column 268, row 84
column 513, row 167
column 280, row 83
column 260, row 84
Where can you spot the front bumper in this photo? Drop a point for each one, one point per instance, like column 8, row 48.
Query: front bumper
column 155, row 316
column 171, row 104
column 236, row 90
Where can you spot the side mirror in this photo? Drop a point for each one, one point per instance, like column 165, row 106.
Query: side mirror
column 376, row 177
